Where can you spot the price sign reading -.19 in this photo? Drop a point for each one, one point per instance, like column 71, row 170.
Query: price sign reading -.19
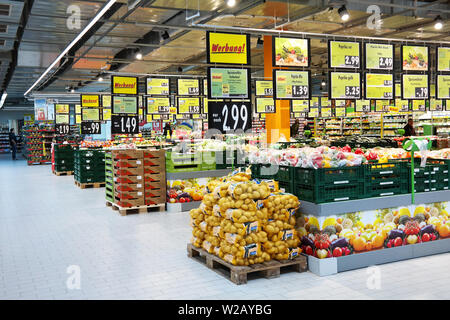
column 62, row 129
column 229, row 116
column 93, row 127
column 123, row 124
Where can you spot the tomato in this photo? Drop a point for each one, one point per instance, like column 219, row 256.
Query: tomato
column 182, row 200
column 398, row 242
column 337, row 252
column 347, row 251
column 433, row 237
column 309, row 250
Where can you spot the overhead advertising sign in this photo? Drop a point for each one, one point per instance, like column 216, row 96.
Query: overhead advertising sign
column 124, row 105
column 265, row 105
column 290, row 52
column 415, row 86
column 443, row 86
column 90, row 101
column 362, row 106
column 379, row 86
column 443, row 58
column 292, row 84
column 345, row 85
column 90, row 114
column 403, row 105
column 436, row 105
column 62, row 119
column 414, row 58
column 61, row 108
column 264, row 87
column 228, row 48
column 299, row 106
column 158, row 105
column 106, row 101
column 379, row 56
column 158, row 86
column 228, row 83
column 188, row 105
column 344, row 54
column 124, row 85
column 230, row 116
column 419, row 105
column 188, row 87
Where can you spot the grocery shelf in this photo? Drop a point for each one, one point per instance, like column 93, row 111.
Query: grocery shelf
column 341, row 207
column 182, row 207
column 197, row 174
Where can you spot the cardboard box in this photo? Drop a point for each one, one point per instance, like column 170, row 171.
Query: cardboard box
column 129, row 179
column 127, row 163
column 130, row 203
column 129, row 187
column 154, row 193
column 129, row 195
column 153, row 170
column 127, row 154
column 155, row 177
column 155, row 162
column 129, row 171
column 154, row 186
column 152, row 154
column 154, row 201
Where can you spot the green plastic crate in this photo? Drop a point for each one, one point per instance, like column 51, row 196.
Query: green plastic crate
column 63, row 168
column 263, row 171
column 392, row 168
column 224, row 159
column 85, row 179
column 327, row 176
column 89, row 154
column 285, row 174
column 287, row 186
column 329, row 193
column 390, row 189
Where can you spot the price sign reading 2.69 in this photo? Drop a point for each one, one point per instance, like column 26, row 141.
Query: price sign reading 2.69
column 122, row 124
column 229, row 116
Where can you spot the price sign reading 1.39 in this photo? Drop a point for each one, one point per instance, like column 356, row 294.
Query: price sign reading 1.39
column 415, row 86
column 123, row 124
column 344, row 54
column 345, row 85
column 379, row 86
column 188, row 105
column 379, row 56
column 229, row 117
column 291, row 84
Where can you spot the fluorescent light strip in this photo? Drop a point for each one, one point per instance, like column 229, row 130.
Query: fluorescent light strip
column 74, row 41
column 2, row 101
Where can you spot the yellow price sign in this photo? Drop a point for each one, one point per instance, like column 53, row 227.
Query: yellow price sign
column 264, row 88
column 158, row 86
column 443, row 86
column 265, row 105
column 90, row 100
column 300, row 105
column 188, row 105
column 228, row 48
column 188, row 87
column 106, row 101
column 124, row 85
column 379, row 86
column 61, row 108
column 443, row 59
column 106, row 114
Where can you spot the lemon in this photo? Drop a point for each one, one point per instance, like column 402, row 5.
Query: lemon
column 329, row 222
column 405, row 212
column 314, row 222
column 419, row 209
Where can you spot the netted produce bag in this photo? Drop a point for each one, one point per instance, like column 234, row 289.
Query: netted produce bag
column 208, row 202
column 242, row 229
column 197, row 217
column 249, row 190
column 239, row 240
column 281, row 206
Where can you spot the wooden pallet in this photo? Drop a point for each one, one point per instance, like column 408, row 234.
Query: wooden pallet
column 63, row 173
column 38, row 163
column 237, row 274
column 142, row 209
column 90, row 185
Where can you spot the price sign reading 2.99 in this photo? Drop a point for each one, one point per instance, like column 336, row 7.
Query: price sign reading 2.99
column 123, row 124
column 229, row 116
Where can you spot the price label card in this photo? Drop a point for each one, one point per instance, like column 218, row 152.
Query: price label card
column 127, row 105
column 325, row 112
column 123, row 124
column 188, row 87
column 415, row 86
column 299, row 106
column 345, row 85
column 106, row 114
column 77, row 118
column 419, row 105
column 436, row 105
column 78, row 109
column 93, row 127
column 62, row 129
column 264, row 88
column 379, row 86
column 403, row 105
column 381, row 106
column 188, row 105
column 344, row 54
column 61, row 108
column 158, row 105
column 325, row 102
column 265, row 105
column 379, row 56
column 291, row 84
column 313, row 112
column 443, row 59
column 228, row 117
column 106, row 101
column 90, row 114
column 362, row 106
column 414, row 58
column 341, row 111
column 62, row 119
column 158, row 86
column 443, row 86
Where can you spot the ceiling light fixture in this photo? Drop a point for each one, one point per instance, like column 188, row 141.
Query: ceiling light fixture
column 231, row 3
column 139, row 56
column 323, row 83
column 165, row 35
column 2, row 100
column 72, row 90
column 100, row 79
column 97, row 17
column 438, row 23
column 343, row 13
column 260, row 42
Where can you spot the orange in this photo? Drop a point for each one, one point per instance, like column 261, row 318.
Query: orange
column 444, row 230
column 369, row 246
column 378, row 241
column 359, row 244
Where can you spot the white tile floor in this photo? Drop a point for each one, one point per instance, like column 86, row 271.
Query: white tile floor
column 48, row 224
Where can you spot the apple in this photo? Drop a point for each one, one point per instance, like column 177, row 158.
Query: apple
column 389, row 244
column 433, row 237
column 412, row 239
column 426, row 237
column 309, row 250
column 346, row 251
column 398, row 242
column 322, row 253
column 337, row 252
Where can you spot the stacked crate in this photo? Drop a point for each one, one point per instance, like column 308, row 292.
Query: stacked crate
column 154, row 177
column 109, row 177
column 386, row 179
column 62, row 158
column 89, row 166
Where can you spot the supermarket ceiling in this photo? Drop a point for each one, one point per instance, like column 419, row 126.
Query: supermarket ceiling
column 170, row 34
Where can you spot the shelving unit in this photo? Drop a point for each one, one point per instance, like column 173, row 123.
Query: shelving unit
column 38, row 143
column 438, row 119
column 4, row 139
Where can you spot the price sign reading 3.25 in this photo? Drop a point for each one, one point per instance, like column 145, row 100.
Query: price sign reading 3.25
column 351, row 91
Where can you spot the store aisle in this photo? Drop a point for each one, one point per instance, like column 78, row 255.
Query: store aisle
column 48, row 225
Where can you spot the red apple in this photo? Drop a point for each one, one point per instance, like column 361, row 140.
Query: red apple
column 398, row 242
column 337, row 252
column 426, row 237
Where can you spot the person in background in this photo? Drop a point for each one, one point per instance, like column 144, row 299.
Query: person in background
column 409, row 128
column 307, row 127
column 167, row 129
column 13, row 143
column 294, row 128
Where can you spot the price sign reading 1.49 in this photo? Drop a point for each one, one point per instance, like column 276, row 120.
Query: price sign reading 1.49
column 122, row 124
column 229, row 116
column 188, row 87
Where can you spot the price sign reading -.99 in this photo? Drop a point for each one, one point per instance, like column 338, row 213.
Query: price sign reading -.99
column 385, row 63
column 300, row 91
column 352, row 91
column 229, row 116
column 123, row 124
column 421, row 92
column 91, row 127
column 62, row 129
column 352, row 61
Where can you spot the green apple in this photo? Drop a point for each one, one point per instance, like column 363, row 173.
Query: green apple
column 322, row 253
column 411, row 239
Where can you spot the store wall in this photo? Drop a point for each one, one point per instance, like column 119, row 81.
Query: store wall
column 13, row 115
